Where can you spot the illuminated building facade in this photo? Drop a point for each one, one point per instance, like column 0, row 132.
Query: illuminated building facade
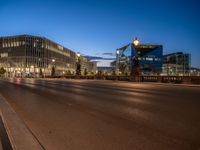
column 149, row 56
column 104, row 62
column 87, row 67
column 32, row 56
column 177, row 64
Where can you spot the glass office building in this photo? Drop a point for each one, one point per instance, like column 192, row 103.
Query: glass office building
column 149, row 56
column 178, row 63
column 27, row 55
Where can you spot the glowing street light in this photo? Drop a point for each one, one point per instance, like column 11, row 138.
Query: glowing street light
column 53, row 60
column 117, row 61
column 136, row 42
column 78, row 54
column 117, row 52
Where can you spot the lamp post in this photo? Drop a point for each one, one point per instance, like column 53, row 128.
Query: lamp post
column 78, row 65
column 53, row 68
column 117, row 63
column 135, row 67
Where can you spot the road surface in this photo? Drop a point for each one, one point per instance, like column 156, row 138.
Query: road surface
column 107, row 115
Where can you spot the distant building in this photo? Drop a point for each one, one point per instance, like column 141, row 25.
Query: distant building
column 178, row 63
column 104, row 63
column 87, row 67
column 194, row 71
column 149, row 56
column 31, row 56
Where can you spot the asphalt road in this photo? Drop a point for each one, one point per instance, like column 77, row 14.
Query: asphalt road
column 107, row 115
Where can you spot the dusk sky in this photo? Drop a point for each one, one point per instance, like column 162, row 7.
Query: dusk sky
column 102, row 26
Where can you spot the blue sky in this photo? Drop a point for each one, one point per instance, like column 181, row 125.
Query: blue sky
column 102, row 26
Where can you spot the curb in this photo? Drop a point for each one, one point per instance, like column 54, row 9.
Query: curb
column 173, row 84
column 18, row 133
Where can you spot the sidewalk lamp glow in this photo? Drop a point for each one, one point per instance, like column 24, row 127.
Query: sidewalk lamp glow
column 53, row 60
column 136, row 42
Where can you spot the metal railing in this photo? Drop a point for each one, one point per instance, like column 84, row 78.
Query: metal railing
column 161, row 79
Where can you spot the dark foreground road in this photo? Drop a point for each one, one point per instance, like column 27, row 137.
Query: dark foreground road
column 107, row 115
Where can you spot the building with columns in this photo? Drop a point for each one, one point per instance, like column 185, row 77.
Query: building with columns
column 33, row 56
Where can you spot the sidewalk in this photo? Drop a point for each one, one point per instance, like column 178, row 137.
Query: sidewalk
column 18, row 133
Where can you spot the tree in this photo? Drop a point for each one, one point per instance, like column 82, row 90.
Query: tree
column 135, row 70
column 78, row 67
column 53, row 72
column 122, row 67
column 85, row 72
column 2, row 71
column 68, row 73
column 113, row 73
column 41, row 73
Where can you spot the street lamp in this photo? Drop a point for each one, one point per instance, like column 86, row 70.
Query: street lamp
column 135, row 66
column 117, row 51
column 78, row 54
column 117, row 63
column 53, row 68
column 136, row 42
column 78, row 66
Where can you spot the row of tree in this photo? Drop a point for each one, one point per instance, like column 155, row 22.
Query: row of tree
column 53, row 72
